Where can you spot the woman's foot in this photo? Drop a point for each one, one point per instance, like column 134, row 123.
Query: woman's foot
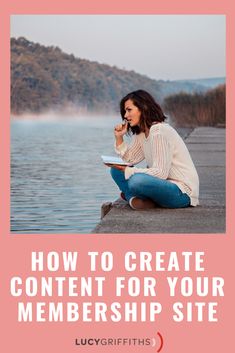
column 122, row 195
column 139, row 204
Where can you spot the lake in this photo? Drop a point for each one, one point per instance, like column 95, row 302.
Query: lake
column 58, row 182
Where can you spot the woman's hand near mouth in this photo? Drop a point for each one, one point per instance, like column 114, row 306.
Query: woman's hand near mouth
column 119, row 131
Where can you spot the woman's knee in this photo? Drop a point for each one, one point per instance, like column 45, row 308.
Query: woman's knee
column 136, row 183
column 115, row 173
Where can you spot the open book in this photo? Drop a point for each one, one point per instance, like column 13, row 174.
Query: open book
column 114, row 160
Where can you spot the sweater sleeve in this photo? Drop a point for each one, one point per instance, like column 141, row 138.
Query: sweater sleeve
column 132, row 153
column 161, row 151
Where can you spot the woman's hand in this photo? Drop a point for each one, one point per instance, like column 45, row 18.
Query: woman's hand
column 121, row 129
column 117, row 166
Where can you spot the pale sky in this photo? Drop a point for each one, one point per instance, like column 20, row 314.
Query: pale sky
column 164, row 47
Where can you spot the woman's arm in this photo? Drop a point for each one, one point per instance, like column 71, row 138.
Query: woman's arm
column 132, row 153
column 161, row 151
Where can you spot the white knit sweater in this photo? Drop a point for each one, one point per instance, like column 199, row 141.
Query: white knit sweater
column 167, row 157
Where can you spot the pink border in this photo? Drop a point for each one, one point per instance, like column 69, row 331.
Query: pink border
column 15, row 250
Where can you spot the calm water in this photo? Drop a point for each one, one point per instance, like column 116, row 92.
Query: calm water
column 58, row 181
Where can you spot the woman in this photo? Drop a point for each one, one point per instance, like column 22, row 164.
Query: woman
column 170, row 178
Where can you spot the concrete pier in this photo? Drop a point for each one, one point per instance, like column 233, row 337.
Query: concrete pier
column 207, row 148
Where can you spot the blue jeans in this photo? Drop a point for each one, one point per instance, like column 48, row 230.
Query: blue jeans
column 144, row 186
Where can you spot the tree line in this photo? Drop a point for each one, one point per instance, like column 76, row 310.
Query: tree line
column 205, row 109
column 45, row 78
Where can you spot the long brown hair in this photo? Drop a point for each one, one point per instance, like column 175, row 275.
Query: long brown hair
column 151, row 112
